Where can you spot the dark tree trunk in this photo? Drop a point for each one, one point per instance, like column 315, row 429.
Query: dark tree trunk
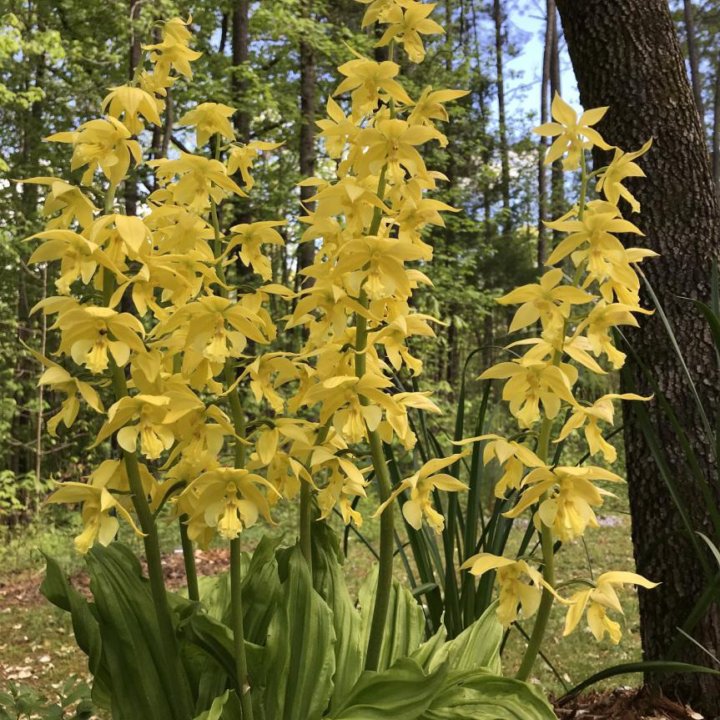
column 134, row 55
column 550, row 30
column 695, row 78
column 557, row 183
column 499, row 20
column 240, row 56
column 308, row 82
column 626, row 55
column 716, row 130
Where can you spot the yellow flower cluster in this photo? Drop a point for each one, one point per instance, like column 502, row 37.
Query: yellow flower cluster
column 590, row 288
column 146, row 305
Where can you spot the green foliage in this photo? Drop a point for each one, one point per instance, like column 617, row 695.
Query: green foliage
column 311, row 647
column 18, row 702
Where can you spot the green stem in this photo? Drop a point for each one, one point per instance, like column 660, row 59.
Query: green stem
column 189, row 562
column 241, row 667
column 239, row 425
column 382, row 475
column 385, row 564
column 546, row 538
column 306, row 522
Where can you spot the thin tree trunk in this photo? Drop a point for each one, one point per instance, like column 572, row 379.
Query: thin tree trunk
column 557, row 192
column 631, row 60
column 543, row 142
column 134, row 54
column 240, row 57
column 695, row 77
column 308, row 102
column 499, row 20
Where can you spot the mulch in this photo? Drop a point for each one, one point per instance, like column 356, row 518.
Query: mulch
column 624, row 704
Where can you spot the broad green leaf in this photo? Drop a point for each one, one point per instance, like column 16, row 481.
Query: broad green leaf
column 482, row 696
column 85, row 627
column 300, row 649
column 478, row 646
column 143, row 685
column 405, row 624
column 329, row 580
column 261, row 590
column 402, row 692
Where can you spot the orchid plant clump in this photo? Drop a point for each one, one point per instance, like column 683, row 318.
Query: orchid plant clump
column 156, row 324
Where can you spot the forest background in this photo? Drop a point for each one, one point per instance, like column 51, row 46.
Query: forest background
column 275, row 60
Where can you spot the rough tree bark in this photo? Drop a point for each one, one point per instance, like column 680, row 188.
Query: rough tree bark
column 308, row 102
column 716, row 130
column 543, row 144
column 626, row 55
column 695, row 77
column 499, row 20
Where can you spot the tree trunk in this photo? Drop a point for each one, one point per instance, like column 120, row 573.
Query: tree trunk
column 240, row 56
column 499, row 20
column 308, row 82
column 626, row 55
column 557, row 182
column 693, row 57
column 716, row 130
column 551, row 17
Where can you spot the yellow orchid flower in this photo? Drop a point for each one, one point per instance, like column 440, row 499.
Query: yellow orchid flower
column 377, row 265
column 97, row 504
column 128, row 104
column 421, row 485
column 343, row 484
column 267, row 373
column 600, row 221
column 588, row 419
column 547, row 301
column 242, row 157
column 407, row 28
column 513, row 457
column 343, row 399
column 378, row 10
column 209, row 119
column 371, row 82
column 71, row 203
column 621, row 167
column 105, row 144
column 173, row 52
column 431, row 105
column 79, row 257
column 515, row 592
column 568, row 506
column 200, row 180
column 249, row 237
column 88, row 332
column 572, row 135
column 531, row 382
column 598, row 324
column 337, row 129
column 598, row 600
column 226, row 500
column 391, row 143
column 394, row 335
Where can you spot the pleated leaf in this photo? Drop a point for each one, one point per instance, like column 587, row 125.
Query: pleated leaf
column 300, row 649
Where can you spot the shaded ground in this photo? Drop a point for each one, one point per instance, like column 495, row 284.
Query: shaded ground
column 624, row 704
column 36, row 640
